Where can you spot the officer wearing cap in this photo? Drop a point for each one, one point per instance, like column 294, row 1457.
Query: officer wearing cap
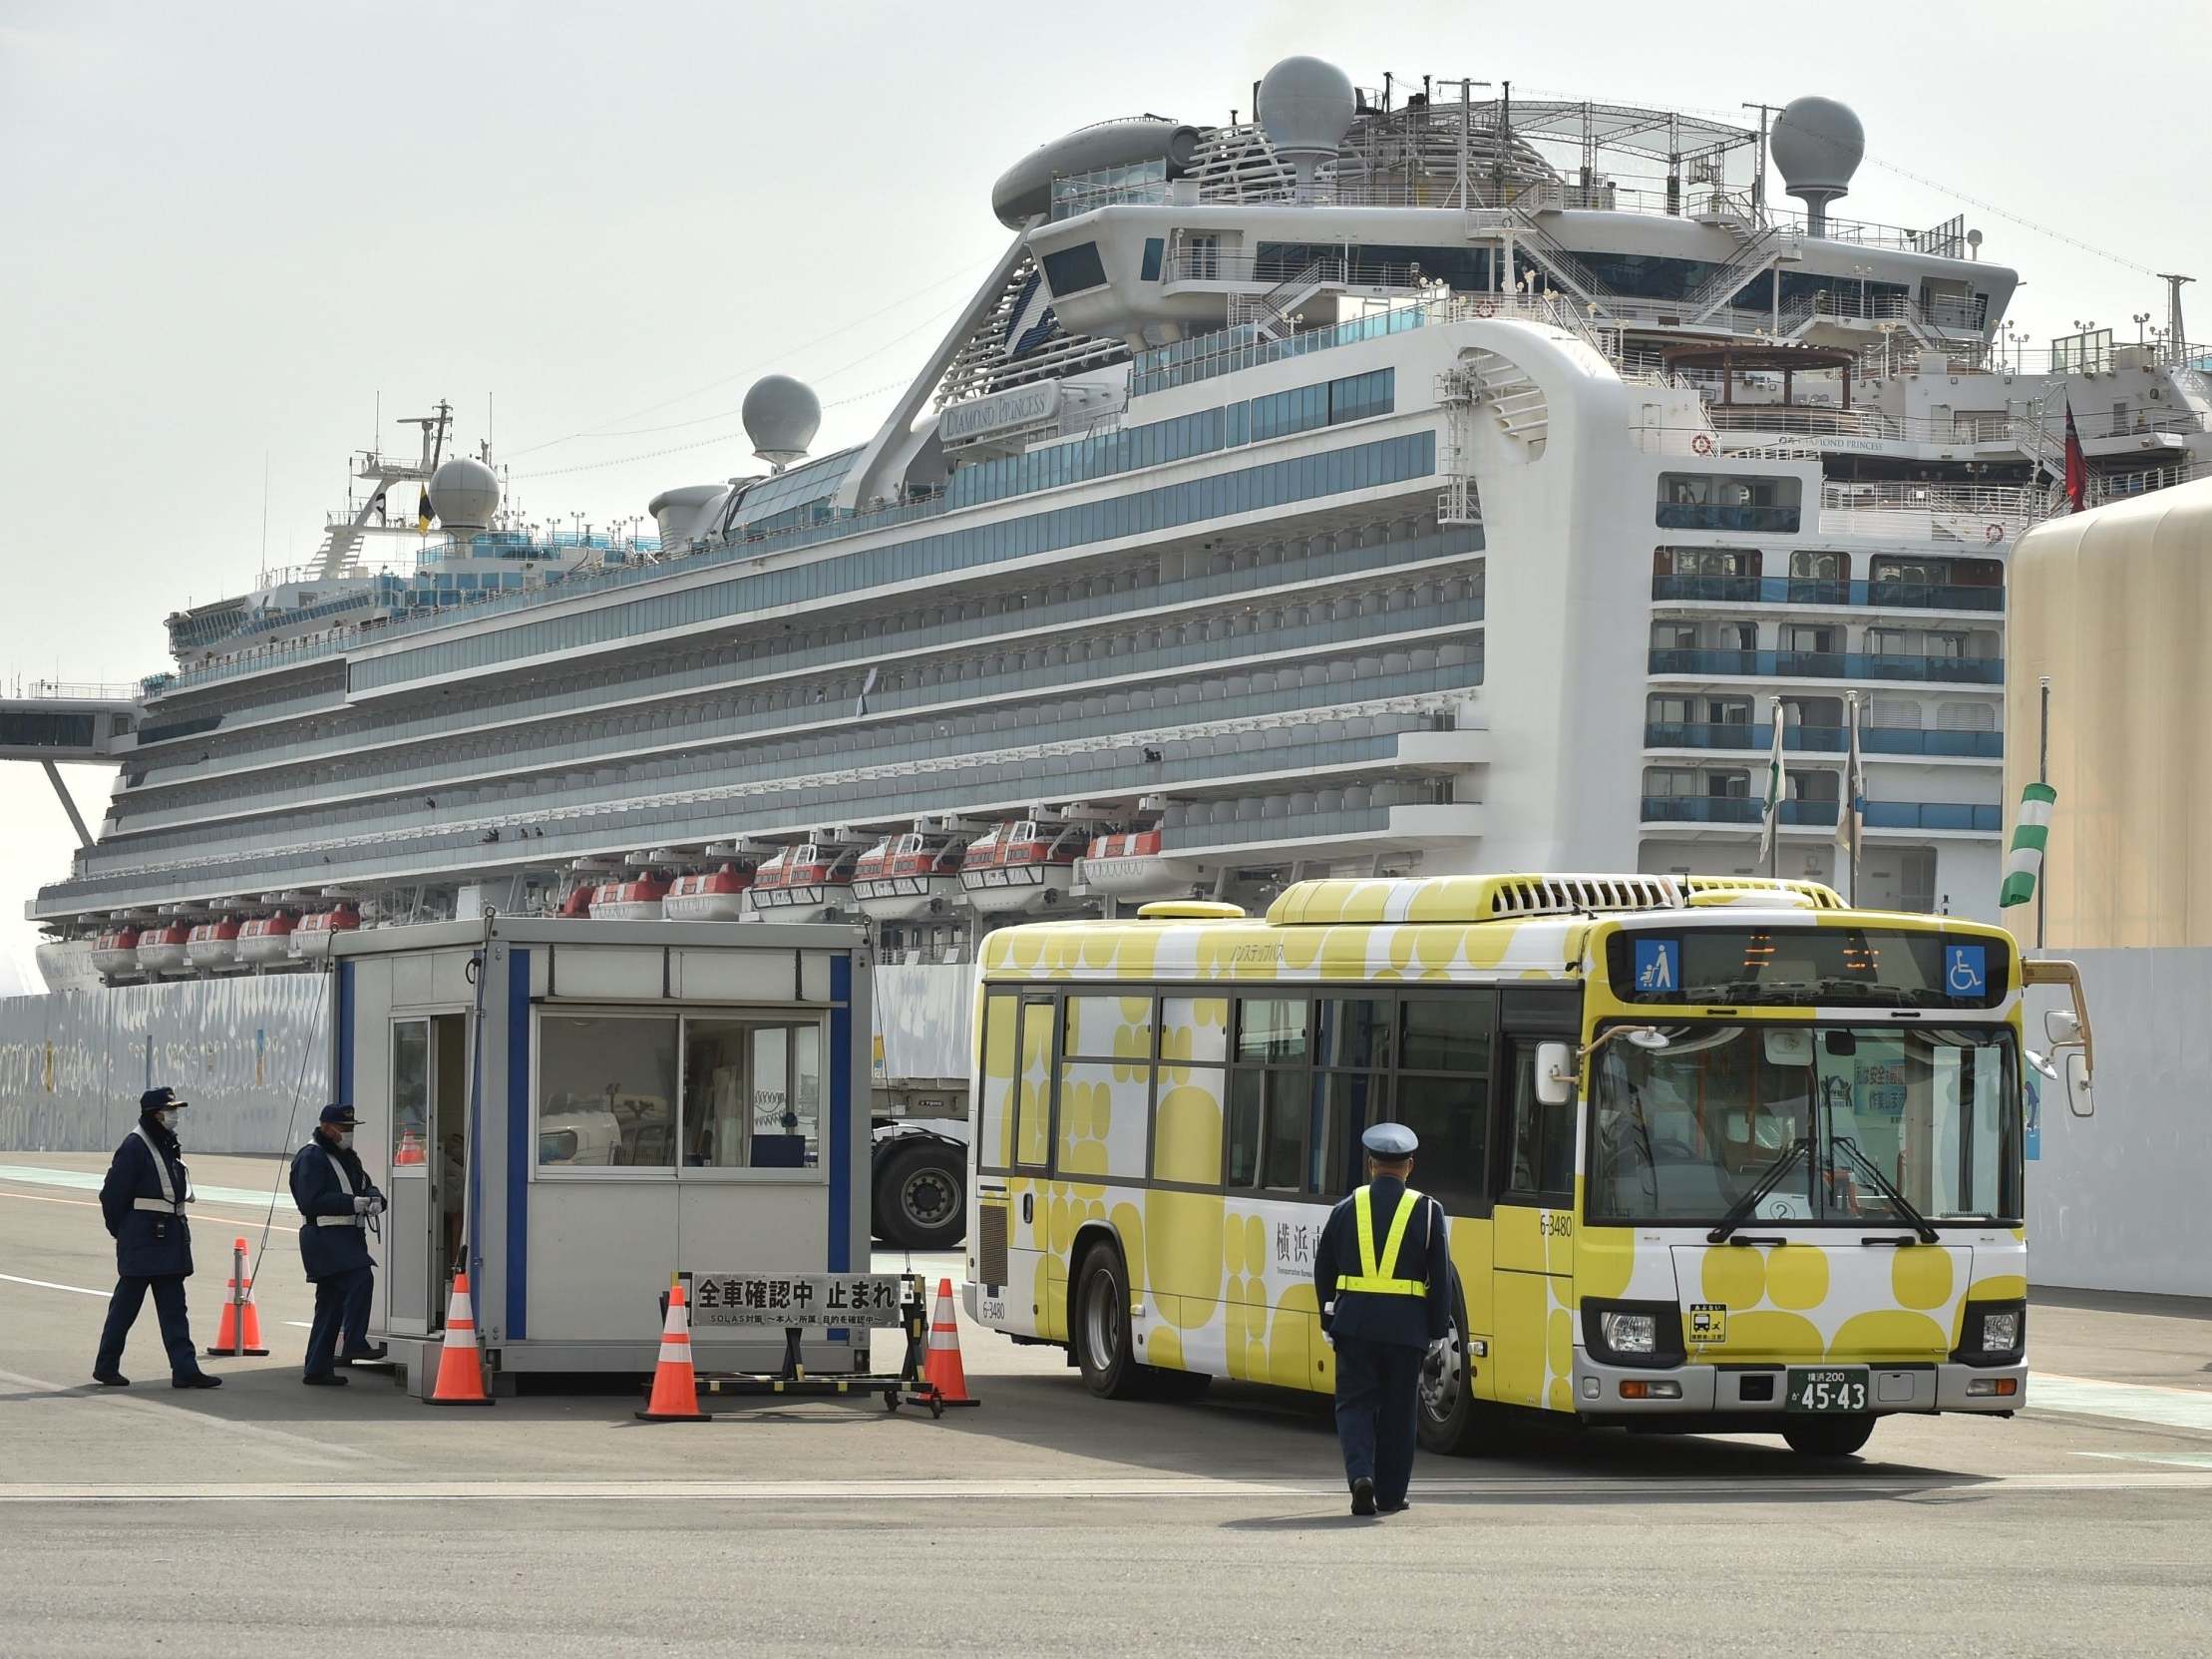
column 142, row 1201
column 1385, row 1280
column 338, row 1203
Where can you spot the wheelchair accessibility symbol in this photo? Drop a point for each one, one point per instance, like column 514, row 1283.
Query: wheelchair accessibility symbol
column 1965, row 971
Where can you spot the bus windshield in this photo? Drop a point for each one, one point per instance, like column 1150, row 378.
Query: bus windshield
column 1843, row 1121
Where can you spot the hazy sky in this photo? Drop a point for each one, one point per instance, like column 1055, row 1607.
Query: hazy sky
column 225, row 230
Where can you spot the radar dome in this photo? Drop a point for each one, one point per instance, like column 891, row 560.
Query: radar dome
column 782, row 416
column 465, row 492
column 1305, row 109
column 1819, row 143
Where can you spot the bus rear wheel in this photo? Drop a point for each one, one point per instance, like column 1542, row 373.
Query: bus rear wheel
column 1829, row 1436
column 1452, row 1420
column 1100, row 1330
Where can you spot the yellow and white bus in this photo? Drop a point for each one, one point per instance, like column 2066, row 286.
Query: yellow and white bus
column 1718, row 1154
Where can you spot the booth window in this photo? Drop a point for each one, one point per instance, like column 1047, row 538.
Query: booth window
column 662, row 1094
column 410, row 1096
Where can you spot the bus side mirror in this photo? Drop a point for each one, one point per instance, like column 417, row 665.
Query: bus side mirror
column 2079, row 1100
column 2062, row 1026
column 1555, row 1073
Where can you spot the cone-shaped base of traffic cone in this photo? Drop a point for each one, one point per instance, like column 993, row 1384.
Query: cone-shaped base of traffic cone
column 227, row 1344
column 675, row 1397
column 460, row 1365
column 943, row 1374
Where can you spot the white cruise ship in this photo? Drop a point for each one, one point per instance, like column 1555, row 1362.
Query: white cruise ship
column 1397, row 483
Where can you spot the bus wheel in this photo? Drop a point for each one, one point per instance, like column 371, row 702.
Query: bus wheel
column 1451, row 1417
column 1101, row 1332
column 918, row 1201
column 1829, row 1436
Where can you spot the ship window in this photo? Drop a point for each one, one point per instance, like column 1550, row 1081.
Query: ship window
column 1154, row 246
column 1071, row 270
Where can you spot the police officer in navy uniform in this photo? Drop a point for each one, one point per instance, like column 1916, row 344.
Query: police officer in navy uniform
column 338, row 1203
column 1384, row 1279
column 143, row 1200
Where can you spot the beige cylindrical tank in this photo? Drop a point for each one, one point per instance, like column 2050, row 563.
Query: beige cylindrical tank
column 2114, row 606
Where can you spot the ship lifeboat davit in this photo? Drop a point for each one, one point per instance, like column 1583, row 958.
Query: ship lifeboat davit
column 313, row 936
column 1130, row 866
column 1021, row 865
column 161, row 950
column 265, row 939
column 630, row 900
column 115, row 952
column 214, row 943
column 904, row 876
column 708, row 896
column 802, row 881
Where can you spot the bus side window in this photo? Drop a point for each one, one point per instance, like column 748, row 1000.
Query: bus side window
column 1541, row 1138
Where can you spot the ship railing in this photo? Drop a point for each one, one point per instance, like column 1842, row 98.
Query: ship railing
column 75, row 690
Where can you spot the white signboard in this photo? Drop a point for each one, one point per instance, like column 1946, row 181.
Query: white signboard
column 965, row 423
column 783, row 1301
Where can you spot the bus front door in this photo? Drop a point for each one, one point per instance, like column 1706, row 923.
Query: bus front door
column 1532, row 1241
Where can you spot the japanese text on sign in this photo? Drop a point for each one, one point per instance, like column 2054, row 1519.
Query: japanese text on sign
column 788, row 1300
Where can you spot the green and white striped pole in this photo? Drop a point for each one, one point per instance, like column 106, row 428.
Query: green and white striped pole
column 2023, row 866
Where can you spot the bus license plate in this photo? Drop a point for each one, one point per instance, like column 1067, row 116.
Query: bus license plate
column 1836, row 1389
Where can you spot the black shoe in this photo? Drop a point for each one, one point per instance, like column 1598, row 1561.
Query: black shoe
column 111, row 1378
column 323, row 1379
column 1398, row 1508
column 368, row 1355
column 1363, row 1496
column 198, row 1379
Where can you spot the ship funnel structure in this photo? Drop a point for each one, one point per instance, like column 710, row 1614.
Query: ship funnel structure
column 780, row 417
column 465, row 494
column 1305, row 109
column 1819, row 143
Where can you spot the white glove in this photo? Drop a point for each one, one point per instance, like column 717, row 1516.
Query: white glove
column 368, row 1206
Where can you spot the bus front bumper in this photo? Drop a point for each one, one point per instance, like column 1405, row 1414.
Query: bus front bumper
column 1618, row 1393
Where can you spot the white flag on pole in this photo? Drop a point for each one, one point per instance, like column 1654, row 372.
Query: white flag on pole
column 1851, row 812
column 1777, row 786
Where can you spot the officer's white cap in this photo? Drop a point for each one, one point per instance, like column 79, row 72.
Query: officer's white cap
column 1390, row 1140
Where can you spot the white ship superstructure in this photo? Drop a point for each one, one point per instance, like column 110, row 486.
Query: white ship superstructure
column 1388, row 485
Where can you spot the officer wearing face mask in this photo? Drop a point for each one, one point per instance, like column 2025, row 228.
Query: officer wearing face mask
column 338, row 1203
column 142, row 1201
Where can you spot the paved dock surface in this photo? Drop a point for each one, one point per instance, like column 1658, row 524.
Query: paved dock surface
column 265, row 1516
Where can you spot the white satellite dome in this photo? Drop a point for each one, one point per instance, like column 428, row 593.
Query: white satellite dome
column 465, row 492
column 1305, row 109
column 782, row 416
column 1819, row 143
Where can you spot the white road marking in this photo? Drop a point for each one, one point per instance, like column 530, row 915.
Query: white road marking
column 302, row 1448
column 48, row 1284
column 1107, row 1488
column 85, row 1181
column 2129, row 1402
column 2176, row 1460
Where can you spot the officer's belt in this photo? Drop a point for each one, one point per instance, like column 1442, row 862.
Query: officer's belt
column 159, row 1206
column 338, row 1221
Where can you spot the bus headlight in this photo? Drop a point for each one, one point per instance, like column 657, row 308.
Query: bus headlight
column 2000, row 1332
column 1629, row 1333
column 1993, row 1333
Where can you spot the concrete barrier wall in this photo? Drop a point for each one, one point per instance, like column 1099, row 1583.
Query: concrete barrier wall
column 73, row 1064
column 2122, row 1200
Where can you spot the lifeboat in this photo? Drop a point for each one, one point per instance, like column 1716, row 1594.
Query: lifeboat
column 802, row 880
column 904, row 876
column 1130, row 866
column 213, row 944
column 116, row 951
column 315, row 932
column 630, row 900
column 709, row 896
column 265, row 939
column 576, row 903
column 161, row 949
column 1024, row 864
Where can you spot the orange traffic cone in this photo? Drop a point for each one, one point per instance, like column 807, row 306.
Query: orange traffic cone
column 410, row 1148
column 675, row 1385
column 240, row 1329
column 460, row 1364
column 942, row 1370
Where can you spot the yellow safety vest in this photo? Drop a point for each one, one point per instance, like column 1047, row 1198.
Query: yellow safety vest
column 1378, row 1278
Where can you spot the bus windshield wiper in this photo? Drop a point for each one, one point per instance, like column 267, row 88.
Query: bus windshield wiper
column 1887, row 1188
column 1741, row 1211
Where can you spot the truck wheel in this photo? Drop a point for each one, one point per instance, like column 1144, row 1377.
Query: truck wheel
column 920, row 1198
column 1829, row 1436
column 1101, row 1333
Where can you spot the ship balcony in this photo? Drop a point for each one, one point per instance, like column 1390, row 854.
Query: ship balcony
column 1745, row 813
column 1911, row 742
column 1819, row 592
column 1676, row 662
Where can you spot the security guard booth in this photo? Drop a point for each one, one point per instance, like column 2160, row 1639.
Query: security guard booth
column 574, row 1110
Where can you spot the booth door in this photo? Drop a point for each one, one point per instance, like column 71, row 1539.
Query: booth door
column 430, row 1057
